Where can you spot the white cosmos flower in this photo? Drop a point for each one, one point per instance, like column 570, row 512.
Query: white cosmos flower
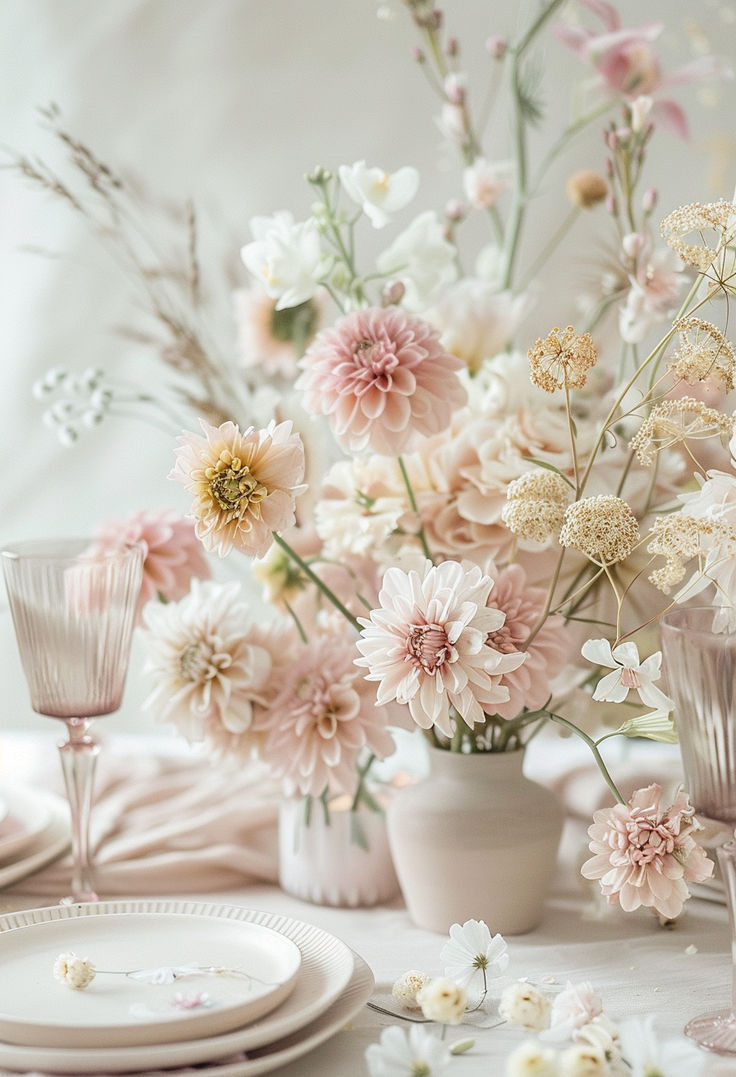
column 286, row 257
column 647, row 1056
column 472, row 956
column 628, row 672
column 379, row 193
column 422, row 259
column 406, row 1054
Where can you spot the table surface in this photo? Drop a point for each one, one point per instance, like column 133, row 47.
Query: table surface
column 636, row 966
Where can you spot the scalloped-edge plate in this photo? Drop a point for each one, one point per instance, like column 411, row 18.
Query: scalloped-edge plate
column 326, row 971
column 165, row 972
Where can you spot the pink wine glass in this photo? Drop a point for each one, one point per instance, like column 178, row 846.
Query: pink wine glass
column 73, row 607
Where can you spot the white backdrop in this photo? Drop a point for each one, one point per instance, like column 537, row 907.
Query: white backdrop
column 230, row 102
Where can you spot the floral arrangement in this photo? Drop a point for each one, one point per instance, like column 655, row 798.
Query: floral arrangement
column 574, row 1036
column 501, row 521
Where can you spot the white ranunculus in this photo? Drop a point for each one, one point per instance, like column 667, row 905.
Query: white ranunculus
column 286, row 257
column 379, row 193
column 422, row 259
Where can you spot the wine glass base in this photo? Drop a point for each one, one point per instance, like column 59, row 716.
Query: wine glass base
column 714, row 1032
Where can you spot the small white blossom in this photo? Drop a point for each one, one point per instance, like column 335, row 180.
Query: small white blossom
column 532, row 1060
column 75, row 972
column 484, row 182
column 443, row 1000
column 524, row 1006
column 286, row 257
column 416, row 1053
column 422, row 259
column 572, row 1009
column 379, row 193
column 628, row 672
column 472, row 956
column 583, row 1060
column 407, row 987
column 647, row 1056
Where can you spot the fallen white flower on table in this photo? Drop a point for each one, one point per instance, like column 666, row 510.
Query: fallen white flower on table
column 524, row 1006
column 532, row 1060
column 472, row 956
column 443, row 1000
column 583, row 1060
column 75, row 972
column 647, row 1056
column 572, row 1009
column 407, row 987
column 416, row 1053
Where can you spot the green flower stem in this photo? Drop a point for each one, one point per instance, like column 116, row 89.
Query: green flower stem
column 551, row 246
column 594, row 749
column 310, row 574
column 413, row 502
column 299, row 626
column 361, row 793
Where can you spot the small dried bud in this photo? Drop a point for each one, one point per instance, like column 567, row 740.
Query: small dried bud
column 454, row 210
column 586, row 188
column 418, row 55
column 75, row 972
column 452, row 48
column 393, row 293
column 319, row 176
column 649, row 199
column 497, row 46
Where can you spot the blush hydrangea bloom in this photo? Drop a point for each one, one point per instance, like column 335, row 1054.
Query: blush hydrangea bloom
column 243, row 484
column 644, row 855
column 172, row 554
column 426, row 645
column 381, row 376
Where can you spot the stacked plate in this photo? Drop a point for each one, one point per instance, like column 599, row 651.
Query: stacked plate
column 177, row 983
column 34, row 830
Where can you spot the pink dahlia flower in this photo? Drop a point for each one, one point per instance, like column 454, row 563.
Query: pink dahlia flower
column 381, row 376
column 549, row 651
column 426, row 645
column 644, row 855
column 243, row 484
column 172, row 554
column 324, row 716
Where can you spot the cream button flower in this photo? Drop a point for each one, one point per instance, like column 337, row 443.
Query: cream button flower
column 628, row 672
column 443, row 1000
column 379, row 193
column 75, row 972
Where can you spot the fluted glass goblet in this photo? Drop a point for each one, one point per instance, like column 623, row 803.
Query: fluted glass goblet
column 73, row 606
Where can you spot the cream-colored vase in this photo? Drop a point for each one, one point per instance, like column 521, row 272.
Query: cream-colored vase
column 476, row 839
column 328, row 863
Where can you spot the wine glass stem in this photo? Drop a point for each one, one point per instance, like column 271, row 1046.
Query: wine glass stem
column 78, row 761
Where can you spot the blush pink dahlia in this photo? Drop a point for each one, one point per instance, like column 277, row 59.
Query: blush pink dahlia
column 426, row 645
column 381, row 376
column 547, row 654
column 324, row 716
column 243, row 484
column 644, row 855
column 172, row 554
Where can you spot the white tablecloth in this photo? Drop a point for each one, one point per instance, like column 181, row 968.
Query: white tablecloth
column 637, row 967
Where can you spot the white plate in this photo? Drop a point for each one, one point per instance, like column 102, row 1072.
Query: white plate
column 27, row 813
column 162, row 976
column 49, row 845
column 327, row 967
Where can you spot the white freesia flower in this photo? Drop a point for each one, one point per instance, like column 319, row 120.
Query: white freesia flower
column 628, row 672
column 379, row 193
column 524, row 1006
column 532, row 1060
column 648, row 1056
column 407, row 1054
column 485, row 181
column 443, row 1000
column 422, row 259
column 286, row 257
column 472, row 956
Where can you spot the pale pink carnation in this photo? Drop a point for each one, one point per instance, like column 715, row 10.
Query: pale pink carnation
column 426, row 645
column 172, row 553
column 549, row 651
column 321, row 720
column 381, row 376
column 574, row 1008
column 243, row 484
column 644, row 855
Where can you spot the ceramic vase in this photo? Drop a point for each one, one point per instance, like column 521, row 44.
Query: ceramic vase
column 339, row 858
column 476, row 839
